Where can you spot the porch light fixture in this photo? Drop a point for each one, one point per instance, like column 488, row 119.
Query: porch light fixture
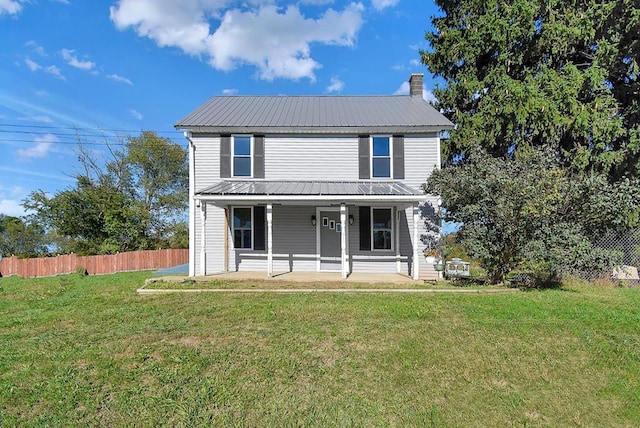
column 351, row 220
column 313, row 220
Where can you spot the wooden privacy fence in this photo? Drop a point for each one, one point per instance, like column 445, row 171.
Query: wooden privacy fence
column 95, row 265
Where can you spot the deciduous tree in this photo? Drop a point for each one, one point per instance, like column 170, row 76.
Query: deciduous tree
column 21, row 238
column 531, row 211
column 546, row 149
column 134, row 201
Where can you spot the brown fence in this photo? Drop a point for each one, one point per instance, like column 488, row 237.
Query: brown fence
column 95, row 265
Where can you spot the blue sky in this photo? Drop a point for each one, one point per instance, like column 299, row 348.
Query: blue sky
column 97, row 72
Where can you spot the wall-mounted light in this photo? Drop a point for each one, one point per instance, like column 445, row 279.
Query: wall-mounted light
column 313, row 220
column 351, row 219
column 198, row 203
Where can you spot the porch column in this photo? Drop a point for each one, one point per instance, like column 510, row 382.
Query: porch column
column 397, row 239
column 343, row 241
column 203, row 241
column 269, row 240
column 416, row 259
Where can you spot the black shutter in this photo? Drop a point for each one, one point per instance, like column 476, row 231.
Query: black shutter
column 259, row 227
column 398, row 157
column 363, row 157
column 365, row 228
column 225, row 156
column 258, row 156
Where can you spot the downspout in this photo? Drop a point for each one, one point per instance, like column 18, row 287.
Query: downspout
column 227, row 213
column 192, row 208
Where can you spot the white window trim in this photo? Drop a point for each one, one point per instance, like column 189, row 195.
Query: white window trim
column 233, row 231
column 390, row 137
column 392, row 230
column 233, row 155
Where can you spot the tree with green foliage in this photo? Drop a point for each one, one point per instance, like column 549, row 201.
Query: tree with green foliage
column 528, row 73
column 546, row 149
column 136, row 201
column 530, row 212
column 21, row 238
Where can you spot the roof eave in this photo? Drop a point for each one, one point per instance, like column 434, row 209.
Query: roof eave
column 228, row 199
column 382, row 129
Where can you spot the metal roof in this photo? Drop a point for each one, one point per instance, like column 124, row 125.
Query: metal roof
column 311, row 191
column 320, row 113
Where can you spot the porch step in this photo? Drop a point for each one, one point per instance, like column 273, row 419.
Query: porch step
column 428, row 273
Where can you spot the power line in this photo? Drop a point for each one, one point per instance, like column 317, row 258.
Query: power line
column 103, row 143
column 80, row 136
column 77, row 128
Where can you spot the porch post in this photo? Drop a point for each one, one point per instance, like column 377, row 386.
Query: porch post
column 203, row 243
column 416, row 259
column 269, row 240
column 397, row 239
column 343, row 241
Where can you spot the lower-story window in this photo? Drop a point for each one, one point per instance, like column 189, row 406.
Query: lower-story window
column 242, row 227
column 382, row 228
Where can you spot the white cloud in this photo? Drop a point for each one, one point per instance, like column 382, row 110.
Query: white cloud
column 44, row 145
column 33, row 66
column 229, row 91
column 10, row 7
column 50, row 69
column 11, row 207
column 54, row 71
column 382, row 4
column 36, row 47
column 38, row 118
column 65, row 179
column 69, row 56
column 427, row 95
column 275, row 40
column 136, row 114
column 120, row 79
column 336, row 85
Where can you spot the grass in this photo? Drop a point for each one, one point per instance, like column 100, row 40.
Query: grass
column 178, row 283
column 88, row 351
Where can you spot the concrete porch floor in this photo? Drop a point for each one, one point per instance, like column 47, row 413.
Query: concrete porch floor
column 356, row 277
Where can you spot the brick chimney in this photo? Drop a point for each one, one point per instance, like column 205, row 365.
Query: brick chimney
column 415, row 85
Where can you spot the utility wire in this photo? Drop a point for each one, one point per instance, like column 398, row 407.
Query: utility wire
column 80, row 136
column 76, row 128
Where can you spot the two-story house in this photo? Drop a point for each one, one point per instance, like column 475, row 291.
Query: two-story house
column 311, row 183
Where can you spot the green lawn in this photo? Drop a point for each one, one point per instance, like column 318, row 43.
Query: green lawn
column 89, row 351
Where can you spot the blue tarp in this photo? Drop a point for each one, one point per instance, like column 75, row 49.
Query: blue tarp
column 175, row 270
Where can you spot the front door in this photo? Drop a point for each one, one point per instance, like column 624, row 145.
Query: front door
column 330, row 236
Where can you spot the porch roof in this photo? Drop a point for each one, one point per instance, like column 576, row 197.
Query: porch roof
column 266, row 190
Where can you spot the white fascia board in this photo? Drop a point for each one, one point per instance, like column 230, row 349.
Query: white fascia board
column 229, row 199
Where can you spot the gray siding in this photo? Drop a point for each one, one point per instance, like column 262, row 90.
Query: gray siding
column 375, row 261
column 421, row 158
column 311, row 158
column 215, row 239
column 207, row 161
column 294, row 245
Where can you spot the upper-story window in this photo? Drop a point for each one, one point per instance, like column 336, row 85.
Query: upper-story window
column 242, row 159
column 381, row 155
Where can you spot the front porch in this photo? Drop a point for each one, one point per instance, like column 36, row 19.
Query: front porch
column 298, row 227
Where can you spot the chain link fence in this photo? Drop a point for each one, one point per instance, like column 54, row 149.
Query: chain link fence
column 625, row 248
